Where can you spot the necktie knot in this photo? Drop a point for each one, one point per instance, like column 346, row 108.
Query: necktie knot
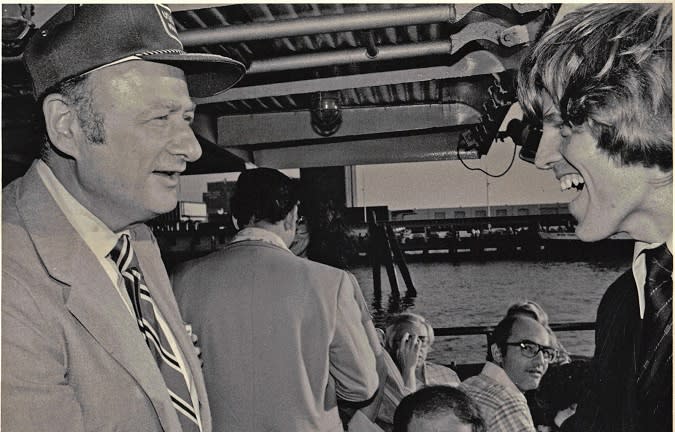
column 122, row 253
column 658, row 285
column 659, row 262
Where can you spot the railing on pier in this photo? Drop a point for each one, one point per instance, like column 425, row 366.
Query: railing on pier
column 486, row 330
column 469, row 369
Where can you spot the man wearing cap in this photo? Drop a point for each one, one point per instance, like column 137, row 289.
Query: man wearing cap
column 92, row 338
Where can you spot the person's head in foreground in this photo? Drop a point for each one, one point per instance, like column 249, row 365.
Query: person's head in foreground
column 438, row 409
column 522, row 347
column 266, row 198
column 600, row 81
column 115, row 84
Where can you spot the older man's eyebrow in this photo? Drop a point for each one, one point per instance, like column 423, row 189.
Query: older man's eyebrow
column 170, row 106
column 178, row 106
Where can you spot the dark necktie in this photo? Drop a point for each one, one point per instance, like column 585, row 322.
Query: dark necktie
column 144, row 309
column 657, row 326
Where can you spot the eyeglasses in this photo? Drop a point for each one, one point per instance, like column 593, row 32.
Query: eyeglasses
column 531, row 349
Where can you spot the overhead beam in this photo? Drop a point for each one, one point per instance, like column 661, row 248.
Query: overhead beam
column 324, row 24
column 349, row 56
column 475, row 63
column 332, row 23
column 241, row 130
column 418, row 148
column 177, row 7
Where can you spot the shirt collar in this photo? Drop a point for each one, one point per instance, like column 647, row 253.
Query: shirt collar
column 496, row 373
column 259, row 234
column 93, row 231
column 640, row 267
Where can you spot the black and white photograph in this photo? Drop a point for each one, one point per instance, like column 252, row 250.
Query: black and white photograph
column 363, row 217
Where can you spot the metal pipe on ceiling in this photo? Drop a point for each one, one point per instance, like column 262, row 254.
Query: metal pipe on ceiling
column 320, row 24
column 315, row 25
column 354, row 55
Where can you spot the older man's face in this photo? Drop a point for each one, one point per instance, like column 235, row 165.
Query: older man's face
column 147, row 112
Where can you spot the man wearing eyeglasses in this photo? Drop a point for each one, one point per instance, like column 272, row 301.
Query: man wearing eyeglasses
column 519, row 355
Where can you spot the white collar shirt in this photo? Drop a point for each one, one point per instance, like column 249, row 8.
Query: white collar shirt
column 259, row 234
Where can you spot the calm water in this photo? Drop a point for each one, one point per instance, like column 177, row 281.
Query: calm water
column 478, row 293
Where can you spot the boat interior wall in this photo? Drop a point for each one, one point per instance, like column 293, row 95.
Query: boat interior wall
column 398, row 82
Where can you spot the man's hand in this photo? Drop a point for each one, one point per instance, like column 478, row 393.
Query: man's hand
column 563, row 415
column 195, row 344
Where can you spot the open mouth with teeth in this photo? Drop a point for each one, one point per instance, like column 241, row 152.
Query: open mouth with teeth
column 571, row 181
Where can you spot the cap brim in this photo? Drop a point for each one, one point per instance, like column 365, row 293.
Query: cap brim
column 206, row 74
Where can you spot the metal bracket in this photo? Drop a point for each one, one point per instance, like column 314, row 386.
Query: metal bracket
column 484, row 30
column 516, row 35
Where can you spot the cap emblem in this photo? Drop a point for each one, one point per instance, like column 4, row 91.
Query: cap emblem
column 167, row 22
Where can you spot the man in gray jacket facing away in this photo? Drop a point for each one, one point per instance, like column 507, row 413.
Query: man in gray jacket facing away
column 281, row 336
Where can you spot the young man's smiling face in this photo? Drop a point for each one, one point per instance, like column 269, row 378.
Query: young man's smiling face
column 610, row 197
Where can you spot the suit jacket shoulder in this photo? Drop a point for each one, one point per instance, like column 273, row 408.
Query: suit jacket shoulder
column 72, row 357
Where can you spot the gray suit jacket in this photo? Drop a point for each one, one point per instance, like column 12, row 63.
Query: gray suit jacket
column 72, row 357
column 281, row 336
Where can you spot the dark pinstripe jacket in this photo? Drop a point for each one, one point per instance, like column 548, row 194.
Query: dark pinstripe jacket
column 613, row 402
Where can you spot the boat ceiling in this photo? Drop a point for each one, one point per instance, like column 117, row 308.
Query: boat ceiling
column 398, row 82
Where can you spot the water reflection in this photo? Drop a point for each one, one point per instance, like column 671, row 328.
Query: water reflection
column 475, row 293
column 395, row 305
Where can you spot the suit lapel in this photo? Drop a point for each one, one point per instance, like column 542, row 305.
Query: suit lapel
column 89, row 293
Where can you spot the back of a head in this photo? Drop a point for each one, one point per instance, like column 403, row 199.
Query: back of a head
column 608, row 65
column 438, row 401
column 263, row 194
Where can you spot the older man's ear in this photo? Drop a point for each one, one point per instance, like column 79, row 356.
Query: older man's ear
column 62, row 124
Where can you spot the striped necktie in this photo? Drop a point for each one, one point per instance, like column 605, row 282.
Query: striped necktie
column 144, row 309
column 657, row 327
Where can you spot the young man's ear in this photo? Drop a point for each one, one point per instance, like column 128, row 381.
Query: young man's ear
column 61, row 124
column 496, row 354
column 291, row 218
